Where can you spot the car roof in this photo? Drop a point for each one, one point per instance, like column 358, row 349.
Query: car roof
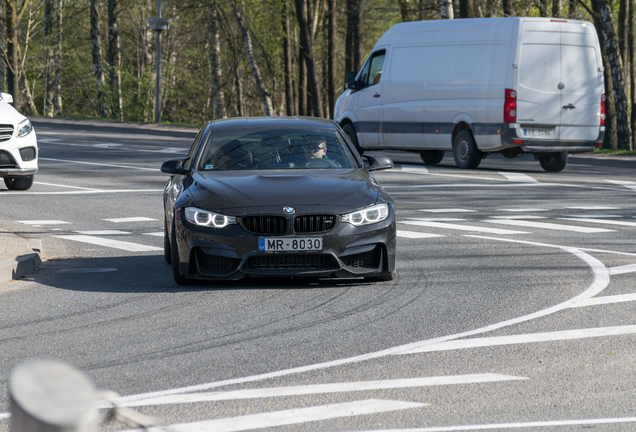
column 270, row 122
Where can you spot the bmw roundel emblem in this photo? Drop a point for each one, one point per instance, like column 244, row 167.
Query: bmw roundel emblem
column 289, row 210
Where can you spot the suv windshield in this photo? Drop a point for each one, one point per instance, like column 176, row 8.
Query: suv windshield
column 275, row 149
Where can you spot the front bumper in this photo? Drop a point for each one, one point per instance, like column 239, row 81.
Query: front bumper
column 19, row 156
column 232, row 252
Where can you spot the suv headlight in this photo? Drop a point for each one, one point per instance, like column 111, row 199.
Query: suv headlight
column 24, row 128
column 200, row 217
column 369, row 215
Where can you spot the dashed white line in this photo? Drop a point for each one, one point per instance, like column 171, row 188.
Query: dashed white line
column 523, row 209
column 594, row 216
column 103, row 232
column 130, row 219
column 462, row 227
column 156, row 234
column 550, row 226
column 624, row 183
column 412, row 234
column 101, row 164
column 43, row 222
column 116, row 244
column 593, row 208
column 602, row 221
column 449, row 210
column 65, row 186
column 413, row 169
column 519, row 217
column 518, row 177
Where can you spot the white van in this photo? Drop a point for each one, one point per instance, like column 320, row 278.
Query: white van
column 479, row 86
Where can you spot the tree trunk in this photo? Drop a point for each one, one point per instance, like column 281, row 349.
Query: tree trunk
column 632, row 69
column 421, row 9
column 573, row 10
column 491, row 8
column 114, row 61
column 98, row 66
column 446, row 9
column 557, row 8
column 602, row 8
column 467, row 8
column 623, row 43
column 290, row 109
column 544, row 6
column 610, row 141
column 405, row 10
column 508, row 8
column 331, row 56
column 49, row 66
column 13, row 16
column 239, row 94
column 247, row 41
column 302, row 83
column 215, row 62
column 307, row 42
column 2, row 48
column 352, row 44
column 58, row 57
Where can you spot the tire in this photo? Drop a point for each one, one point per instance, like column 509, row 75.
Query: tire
column 353, row 136
column 167, row 253
column 19, row 183
column 465, row 151
column 554, row 162
column 174, row 258
column 384, row 277
column 432, row 157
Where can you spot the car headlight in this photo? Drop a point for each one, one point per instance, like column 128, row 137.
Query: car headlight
column 200, row 217
column 369, row 215
column 24, row 128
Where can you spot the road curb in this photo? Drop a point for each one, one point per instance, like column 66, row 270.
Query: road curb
column 19, row 266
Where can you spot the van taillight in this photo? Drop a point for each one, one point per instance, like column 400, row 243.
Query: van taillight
column 510, row 107
column 603, row 109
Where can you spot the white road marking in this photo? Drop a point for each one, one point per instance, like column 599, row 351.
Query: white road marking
column 103, row 232
column 116, row 244
column 523, row 209
column 441, row 219
column 593, row 208
column 602, row 221
column 621, row 298
column 526, row 425
column 31, row 192
column 629, row 268
column 519, row 217
column 624, row 183
column 594, row 216
column 462, row 227
column 156, row 234
column 545, row 225
column 518, row 177
column 130, row 219
column 294, row 416
column 344, row 387
column 43, row 222
column 4, row 416
column 413, row 169
column 65, row 186
column 101, row 164
column 525, row 338
column 175, row 150
column 607, row 251
column 412, row 234
column 600, row 282
column 451, row 210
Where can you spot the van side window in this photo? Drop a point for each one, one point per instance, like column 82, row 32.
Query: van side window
column 372, row 72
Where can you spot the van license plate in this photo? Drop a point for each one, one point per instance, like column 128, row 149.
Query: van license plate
column 537, row 132
column 276, row 244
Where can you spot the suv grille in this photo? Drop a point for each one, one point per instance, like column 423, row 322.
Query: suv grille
column 284, row 262
column 367, row 260
column 6, row 131
column 314, row 223
column 6, row 160
column 265, row 224
column 213, row 264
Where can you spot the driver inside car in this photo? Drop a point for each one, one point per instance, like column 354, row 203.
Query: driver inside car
column 315, row 148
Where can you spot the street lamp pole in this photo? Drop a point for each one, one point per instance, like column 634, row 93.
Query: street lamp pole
column 158, row 24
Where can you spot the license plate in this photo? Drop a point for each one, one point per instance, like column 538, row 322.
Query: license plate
column 275, row 244
column 537, row 132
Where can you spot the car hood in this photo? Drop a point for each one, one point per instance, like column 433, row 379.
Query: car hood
column 8, row 114
column 235, row 193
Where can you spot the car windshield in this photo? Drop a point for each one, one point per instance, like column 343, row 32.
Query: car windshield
column 230, row 150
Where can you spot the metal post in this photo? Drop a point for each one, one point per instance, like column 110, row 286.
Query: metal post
column 158, row 24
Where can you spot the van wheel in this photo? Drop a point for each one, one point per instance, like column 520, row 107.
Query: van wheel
column 432, row 157
column 19, row 183
column 465, row 151
column 351, row 133
column 554, row 162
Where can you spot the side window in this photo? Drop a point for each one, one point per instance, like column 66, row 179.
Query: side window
column 372, row 72
column 193, row 149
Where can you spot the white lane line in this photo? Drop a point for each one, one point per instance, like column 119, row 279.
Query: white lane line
column 545, row 225
column 593, row 216
column 526, row 425
column 130, row 219
column 412, row 234
column 43, row 222
column 31, row 192
column 413, row 169
column 441, row 219
column 462, row 227
column 65, row 186
column 116, row 244
column 593, row 208
column 505, row 185
column 602, row 221
column 607, row 251
column 519, row 217
column 525, row 338
column 600, row 282
column 624, row 183
column 103, row 232
column 294, row 416
column 629, row 268
column 344, row 387
column 523, row 209
column 156, row 234
column 116, row 146
column 449, row 210
column 518, row 177
column 102, row 164
column 621, row 298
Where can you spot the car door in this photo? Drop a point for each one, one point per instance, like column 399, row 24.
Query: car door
column 369, row 100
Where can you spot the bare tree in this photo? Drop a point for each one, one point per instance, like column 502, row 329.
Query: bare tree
column 331, row 55
column 290, row 108
column 632, row 68
column 508, row 8
column 446, row 9
column 96, row 49
column 58, row 57
column 114, row 61
column 557, row 8
column 467, row 8
column 215, row 62
column 49, row 61
column 573, row 9
column 13, row 15
column 247, row 41
column 405, row 10
column 353, row 50
column 544, row 6
column 2, row 50
column 306, row 40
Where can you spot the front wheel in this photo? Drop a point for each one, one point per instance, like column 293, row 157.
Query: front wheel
column 174, row 258
column 167, row 253
column 554, row 162
column 432, row 157
column 353, row 136
column 465, row 151
column 19, row 183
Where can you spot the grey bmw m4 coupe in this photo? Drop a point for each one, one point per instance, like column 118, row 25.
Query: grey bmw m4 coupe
column 277, row 196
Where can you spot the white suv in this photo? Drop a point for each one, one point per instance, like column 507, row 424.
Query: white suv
column 18, row 147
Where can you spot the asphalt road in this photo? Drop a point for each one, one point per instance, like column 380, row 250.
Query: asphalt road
column 513, row 307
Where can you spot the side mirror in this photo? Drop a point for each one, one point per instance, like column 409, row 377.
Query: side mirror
column 350, row 81
column 6, row 97
column 378, row 162
column 174, row 166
